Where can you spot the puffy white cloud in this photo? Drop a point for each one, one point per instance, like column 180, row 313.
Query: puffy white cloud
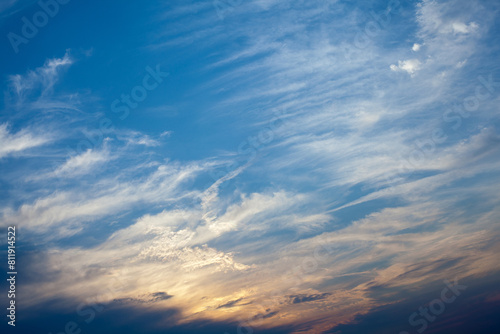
column 410, row 66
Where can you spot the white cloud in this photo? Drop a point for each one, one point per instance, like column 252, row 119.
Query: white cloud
column 136, row 138
column 459, row 27
column 12, row 143
column 82, row 164
column 410, row 66
column 416, row 47
column 69, row 211
column 440, row 18
column 190, row 258
column 461, row 64
column 43, row 78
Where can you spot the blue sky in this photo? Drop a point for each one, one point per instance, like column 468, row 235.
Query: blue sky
column 266, row 166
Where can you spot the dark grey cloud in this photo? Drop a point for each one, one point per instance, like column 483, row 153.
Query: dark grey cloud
column 303, row 298
column 232, row 303
column 266, row 315
column 150, row 298
column 160, row 296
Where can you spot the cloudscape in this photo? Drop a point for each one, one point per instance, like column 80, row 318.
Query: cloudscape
column 241, row 167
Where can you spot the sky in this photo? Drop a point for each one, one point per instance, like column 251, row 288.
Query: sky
column 258, row 166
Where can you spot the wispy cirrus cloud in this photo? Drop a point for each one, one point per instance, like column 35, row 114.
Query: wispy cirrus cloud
column 41, row 79
column 16, row 143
